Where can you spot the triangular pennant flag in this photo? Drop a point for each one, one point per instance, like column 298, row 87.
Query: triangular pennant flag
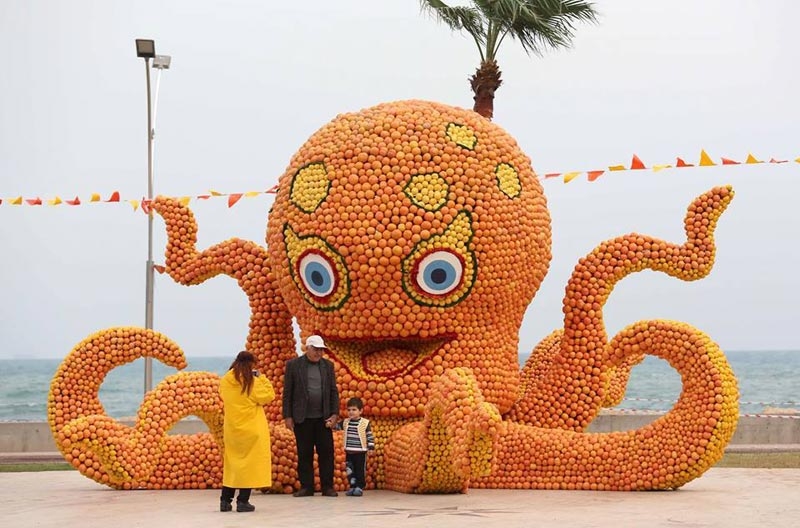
column 233, row 198
column 76, row 201
column 617, row 168
column 272, row 190
column 114, row 197
column 1, row 201
column 54, row 201
column 657, row 168
column 636, row 163
column 250, row 194
column 215, row 193
column 34, row 201
column 752, row 159
column 552, row 175
column 184, row 200
column 159, row 268
column 681, row 163
column 16, row 201
column 95, row 197
column 797, row 160
column 204, row 197
column 726, row 161
column 134, row 203
column 593, row 175
column 773, row 160
column 568, row 177
column 705, row 159
column 146, row 206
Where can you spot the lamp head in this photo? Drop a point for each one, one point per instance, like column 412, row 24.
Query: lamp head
column 145, row 49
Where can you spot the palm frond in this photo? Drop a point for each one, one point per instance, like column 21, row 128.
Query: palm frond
column 458, row 18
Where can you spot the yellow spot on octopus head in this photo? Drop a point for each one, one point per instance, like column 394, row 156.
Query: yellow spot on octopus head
column 462, row 135
column 310, row 187
column 508, row 180
column 428, row 191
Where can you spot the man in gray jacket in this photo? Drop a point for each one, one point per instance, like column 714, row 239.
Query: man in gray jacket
column 311, row 410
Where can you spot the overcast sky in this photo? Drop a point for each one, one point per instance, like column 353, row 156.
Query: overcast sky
column 251, row 80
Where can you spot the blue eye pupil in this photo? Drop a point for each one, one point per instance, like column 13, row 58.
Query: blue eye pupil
column 439, row 275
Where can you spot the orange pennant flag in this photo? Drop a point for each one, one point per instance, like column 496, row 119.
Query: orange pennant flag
column 552, row 175
column 34, row 201
column 636, row 163
column 16, row 201
column 134, row 204
column 752, row 159
column 233, row 198
column 184, row 200
column 204, row 197
column 705, row 159
column 95, row 197
column 76, row 201
column 681, row 163
column 773, row 160
column 593, row 175
column 146, row 206
column 617, row 168
column 159, row 268
column 114, row 197
column 726, row 161
column 54, row 201
column 272, row 190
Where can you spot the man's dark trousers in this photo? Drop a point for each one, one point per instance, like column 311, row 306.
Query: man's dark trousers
column 311, row 434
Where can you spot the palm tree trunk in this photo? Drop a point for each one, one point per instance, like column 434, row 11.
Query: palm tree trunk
column 484, row 83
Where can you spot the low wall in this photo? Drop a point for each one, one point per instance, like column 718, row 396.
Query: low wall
column 30, row 437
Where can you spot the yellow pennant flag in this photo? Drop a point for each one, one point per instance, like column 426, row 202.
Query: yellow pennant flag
column 617, row 168
column 797, row 160
column 16, row 201
column 134, row 203
column 657, row 168
column 215, row 193
column 752, row 159
column 705, row 159
column 54, row 201
column 568, row 177
column 184, row 200
column 250, row 194
column 95, row 197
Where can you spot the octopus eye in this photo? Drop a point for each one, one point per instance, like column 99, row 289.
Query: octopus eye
column 439, row 272
column 317, row 269
column 317, row 274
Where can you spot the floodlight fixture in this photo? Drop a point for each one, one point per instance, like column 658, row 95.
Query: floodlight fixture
column 145, row 48
column 162, row 62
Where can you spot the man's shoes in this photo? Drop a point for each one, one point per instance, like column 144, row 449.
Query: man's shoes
column 244, row 507
column 303, row 492
column 224, row 506
column 329, row 492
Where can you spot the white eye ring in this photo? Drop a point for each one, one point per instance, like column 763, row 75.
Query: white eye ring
column 439, row 272
column 317, row 274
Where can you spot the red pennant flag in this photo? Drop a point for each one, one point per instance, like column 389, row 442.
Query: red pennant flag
column 76, row 201
column 204, row 197
column 552, row 175
column 773, row 160
column 146, row 205
column 726, row 161
column 681, row 163
column 114, row 197
column 636, row 163
column 1, row 201
column 272, row 190
column 233, row 198
column 593, row 175
column 34, row 201
column 159, row 268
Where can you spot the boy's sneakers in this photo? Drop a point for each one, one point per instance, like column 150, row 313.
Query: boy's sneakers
column 354, row 492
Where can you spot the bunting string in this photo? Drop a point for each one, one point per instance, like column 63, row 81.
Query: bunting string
column 233, row 198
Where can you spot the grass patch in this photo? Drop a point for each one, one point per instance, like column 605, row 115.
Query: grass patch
column 35, row 466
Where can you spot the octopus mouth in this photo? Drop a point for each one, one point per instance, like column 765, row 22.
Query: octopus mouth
column 383, row 358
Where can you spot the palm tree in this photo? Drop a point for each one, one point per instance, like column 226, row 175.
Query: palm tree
column 538, row 25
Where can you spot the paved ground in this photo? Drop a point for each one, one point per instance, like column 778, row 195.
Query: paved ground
column 724, row 497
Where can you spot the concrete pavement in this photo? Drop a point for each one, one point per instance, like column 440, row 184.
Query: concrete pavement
column 725, row 497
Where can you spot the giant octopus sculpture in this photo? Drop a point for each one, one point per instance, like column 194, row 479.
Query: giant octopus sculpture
column 413, row 236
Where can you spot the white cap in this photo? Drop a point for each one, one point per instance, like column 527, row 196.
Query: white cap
column 315, row 341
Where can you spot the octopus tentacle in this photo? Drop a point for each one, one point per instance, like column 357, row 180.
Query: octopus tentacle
column 582, row 366
column 271, row 337
column 666, row 453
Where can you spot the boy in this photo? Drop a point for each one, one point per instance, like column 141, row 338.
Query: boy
column 358, row 440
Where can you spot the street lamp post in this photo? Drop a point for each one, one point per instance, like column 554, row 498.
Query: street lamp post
column 146, row 49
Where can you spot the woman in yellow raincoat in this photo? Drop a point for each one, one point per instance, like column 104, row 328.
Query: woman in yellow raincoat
column 247, row 451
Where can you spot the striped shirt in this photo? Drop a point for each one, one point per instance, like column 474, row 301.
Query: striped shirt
column 358, row 436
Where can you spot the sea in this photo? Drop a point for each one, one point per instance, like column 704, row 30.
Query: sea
column 767, row 380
